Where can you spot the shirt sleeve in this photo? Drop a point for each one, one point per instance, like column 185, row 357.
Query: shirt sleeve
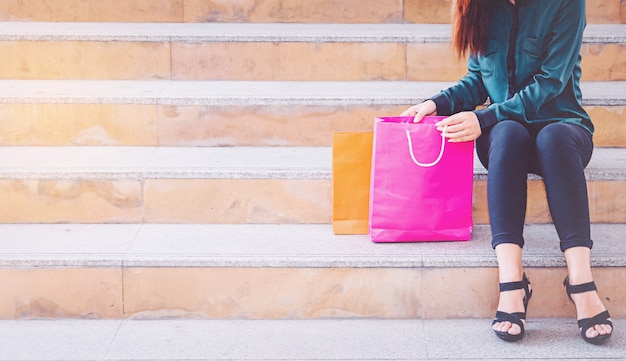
column 561, row 56
column 465, row 95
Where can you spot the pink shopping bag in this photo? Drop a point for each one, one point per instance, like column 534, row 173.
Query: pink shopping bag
column 421, row 184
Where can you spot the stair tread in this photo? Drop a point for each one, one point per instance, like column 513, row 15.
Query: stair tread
column 263, row 32
column 111, row 162
column 339, row 93
column 165, row 162
column 347, row 339
column 271, row 245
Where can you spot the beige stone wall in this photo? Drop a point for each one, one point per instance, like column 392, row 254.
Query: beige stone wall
column 292, row 11
column 283, row 293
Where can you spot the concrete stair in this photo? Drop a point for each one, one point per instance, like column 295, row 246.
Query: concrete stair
column 170, row 159
column 232, row 113
column 269, row 271
column 267, row 11
column 233, row 185
column 415, row 340
column 215, row 51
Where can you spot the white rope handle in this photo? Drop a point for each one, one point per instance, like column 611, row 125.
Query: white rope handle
column 427, row 165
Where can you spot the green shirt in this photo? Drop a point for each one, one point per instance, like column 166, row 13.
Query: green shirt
column 545, row 86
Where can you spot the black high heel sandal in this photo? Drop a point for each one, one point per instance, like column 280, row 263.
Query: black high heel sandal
column 585, row 324
column 515, row 317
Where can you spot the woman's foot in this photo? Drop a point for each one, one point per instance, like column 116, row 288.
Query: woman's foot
column 511, row 315
column 510, row 302
column 593, row 319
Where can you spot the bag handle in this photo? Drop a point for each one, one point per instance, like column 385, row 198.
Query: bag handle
column 427, row 165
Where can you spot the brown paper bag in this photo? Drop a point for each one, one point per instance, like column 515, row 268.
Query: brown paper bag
column 352, row 158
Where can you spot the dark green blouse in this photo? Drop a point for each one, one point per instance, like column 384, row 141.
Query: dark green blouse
column 544, row 85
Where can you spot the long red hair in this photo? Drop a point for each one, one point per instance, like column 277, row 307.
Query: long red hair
column 470, row 25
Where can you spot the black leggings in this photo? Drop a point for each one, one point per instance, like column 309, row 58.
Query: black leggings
column 558, row 152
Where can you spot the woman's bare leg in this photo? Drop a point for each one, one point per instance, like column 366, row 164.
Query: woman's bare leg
column 510, row 270
column 588, row 304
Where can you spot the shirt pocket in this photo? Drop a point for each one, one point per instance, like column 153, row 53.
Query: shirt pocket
column 534, row 55
column 488, row 60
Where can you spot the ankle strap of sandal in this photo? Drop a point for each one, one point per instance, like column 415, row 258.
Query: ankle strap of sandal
column 511, row 286
column 585, row 287
column 518, row 285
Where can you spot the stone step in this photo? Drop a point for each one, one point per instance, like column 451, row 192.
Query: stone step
column 297, row 340
column 223, row 185
column 215, row 51
column 231, row 113
column 160, row 271
column 438, row 11
column 272, row 11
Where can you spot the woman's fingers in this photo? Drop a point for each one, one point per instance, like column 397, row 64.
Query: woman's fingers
column 409, row 112
column 421, row 110
column 461, row 127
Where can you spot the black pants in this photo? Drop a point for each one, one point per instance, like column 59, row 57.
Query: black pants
column 558, row 152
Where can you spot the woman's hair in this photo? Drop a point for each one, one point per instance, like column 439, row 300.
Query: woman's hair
column 470, row 25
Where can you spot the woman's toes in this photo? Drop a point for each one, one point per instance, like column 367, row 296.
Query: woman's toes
column 502, row 326
column 592, row 332
column 598, row 330
column 603, row 329
column 507, row 327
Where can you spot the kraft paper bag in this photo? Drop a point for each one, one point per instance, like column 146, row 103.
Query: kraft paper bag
column 421, row 184
column 351, row 164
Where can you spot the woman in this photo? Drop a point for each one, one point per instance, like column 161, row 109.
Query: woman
column 524, row 56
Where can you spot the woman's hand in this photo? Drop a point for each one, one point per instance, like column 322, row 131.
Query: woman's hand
column 462, row 127
column 421, row 110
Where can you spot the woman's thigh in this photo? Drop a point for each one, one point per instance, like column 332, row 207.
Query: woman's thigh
column 506, row 143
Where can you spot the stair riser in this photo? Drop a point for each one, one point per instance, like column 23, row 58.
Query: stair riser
column 346, row 11
column 606, row 202
column 150, row 201
column 92, row 10
column 609, row 126
column 438, row 11
column 261, row 61
column 299, row 125
column 294, row 11
column 61, row 293
column 228, row 125
column 232, row 201
column 600, row 62
column 78, row 124
column 284, row 293
column 85, row 60
column 289, row 61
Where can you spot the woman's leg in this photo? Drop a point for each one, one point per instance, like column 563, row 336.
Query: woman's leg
column 510, row 270
column 588, row 304
column 504, row 150
column 563, row 151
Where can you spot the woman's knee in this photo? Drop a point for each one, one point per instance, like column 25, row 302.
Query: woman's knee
column 507, row 141
column 554, row 137
column 509, row 133
column 559, row 140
